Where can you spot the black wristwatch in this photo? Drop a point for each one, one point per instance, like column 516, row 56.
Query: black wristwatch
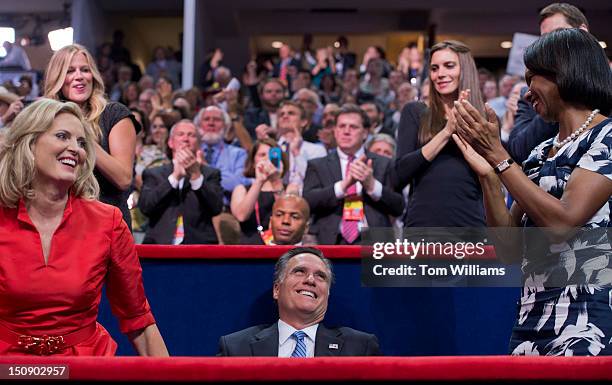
column 503, row 165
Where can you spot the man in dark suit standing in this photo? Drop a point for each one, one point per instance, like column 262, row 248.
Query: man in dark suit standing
column 350, row 188
column 302, row 280
column 181, row 198
column 530, row 129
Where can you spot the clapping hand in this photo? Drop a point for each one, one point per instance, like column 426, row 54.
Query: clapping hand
column 187, row 163
column 451, row 124
column 362, row 171
column 481, row 133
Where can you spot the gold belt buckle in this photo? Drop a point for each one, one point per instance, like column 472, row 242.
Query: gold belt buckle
column 42, row 346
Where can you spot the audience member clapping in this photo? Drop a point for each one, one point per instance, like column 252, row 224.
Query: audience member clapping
column 252, row 205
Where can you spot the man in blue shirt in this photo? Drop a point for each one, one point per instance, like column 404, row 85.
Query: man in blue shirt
column 213, row 123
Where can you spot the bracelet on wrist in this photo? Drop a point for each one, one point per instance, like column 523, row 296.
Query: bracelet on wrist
column 503, row 165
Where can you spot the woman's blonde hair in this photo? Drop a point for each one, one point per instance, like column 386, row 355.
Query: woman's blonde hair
column 17, row 163
column 435, row 119
column 55, row 76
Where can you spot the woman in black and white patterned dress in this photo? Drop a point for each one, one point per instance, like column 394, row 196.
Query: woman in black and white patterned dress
column 566, row 304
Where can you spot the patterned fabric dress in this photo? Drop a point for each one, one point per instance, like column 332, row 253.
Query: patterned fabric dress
column 566, row 304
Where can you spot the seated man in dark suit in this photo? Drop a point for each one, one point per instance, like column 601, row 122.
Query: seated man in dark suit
column 181, row 198
column 350, row 188
column 302, row 280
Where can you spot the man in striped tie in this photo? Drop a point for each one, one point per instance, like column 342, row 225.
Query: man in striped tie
column 302, row 281
column 351, row 188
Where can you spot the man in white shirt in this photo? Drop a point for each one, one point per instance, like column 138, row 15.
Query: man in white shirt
column 291, row 123
column 302, row 281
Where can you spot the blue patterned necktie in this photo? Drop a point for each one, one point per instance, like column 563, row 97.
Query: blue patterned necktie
column 300, row 346
column 208, row 155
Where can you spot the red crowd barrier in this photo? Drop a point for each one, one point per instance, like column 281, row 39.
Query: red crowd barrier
column 236, row 251
column 255, row 251
column 474, row 368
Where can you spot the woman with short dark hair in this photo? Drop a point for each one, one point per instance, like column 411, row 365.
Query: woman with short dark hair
column 563, row 193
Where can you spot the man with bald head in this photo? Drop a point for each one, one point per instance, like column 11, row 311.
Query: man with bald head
column 301, row 288
column 289, row 220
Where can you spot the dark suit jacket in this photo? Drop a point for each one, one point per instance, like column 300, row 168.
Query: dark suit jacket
column 529, row 130
column 162, row 204
column 326, row 209
column 262, row 340
column 253, row 117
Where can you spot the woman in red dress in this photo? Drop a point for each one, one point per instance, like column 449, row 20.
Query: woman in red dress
column 59, row 245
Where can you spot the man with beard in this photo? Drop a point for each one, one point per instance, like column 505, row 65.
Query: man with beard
column 212, row 123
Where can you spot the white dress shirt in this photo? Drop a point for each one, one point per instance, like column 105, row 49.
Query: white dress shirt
column 376, row 193
column 178, row 184
column 298, row 164
column 286, row 343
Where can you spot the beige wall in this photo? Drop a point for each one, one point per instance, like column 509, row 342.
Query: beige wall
column 143, row 34
column 393, row 43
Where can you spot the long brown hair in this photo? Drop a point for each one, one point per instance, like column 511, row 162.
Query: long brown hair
column 434, row 120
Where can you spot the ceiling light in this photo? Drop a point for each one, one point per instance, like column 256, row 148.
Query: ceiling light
column 277, row 44
column 336, row 44
column 603, row 44
column 6, row 34
column 60, row 38
column 506, row 44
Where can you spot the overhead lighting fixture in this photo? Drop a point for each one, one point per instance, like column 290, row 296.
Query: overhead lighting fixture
column 277, row 44
column 336, row 44
column 6, row 34
column 603, row 44
column 506, row 44
column 60, row 38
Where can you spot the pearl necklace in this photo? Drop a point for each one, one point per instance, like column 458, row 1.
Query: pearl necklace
column 557, row 145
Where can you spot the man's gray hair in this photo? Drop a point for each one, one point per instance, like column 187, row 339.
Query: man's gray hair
column 227, row 121
column 313, row 96
column 383, row 138
column 185, row 121
column 280, row 269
